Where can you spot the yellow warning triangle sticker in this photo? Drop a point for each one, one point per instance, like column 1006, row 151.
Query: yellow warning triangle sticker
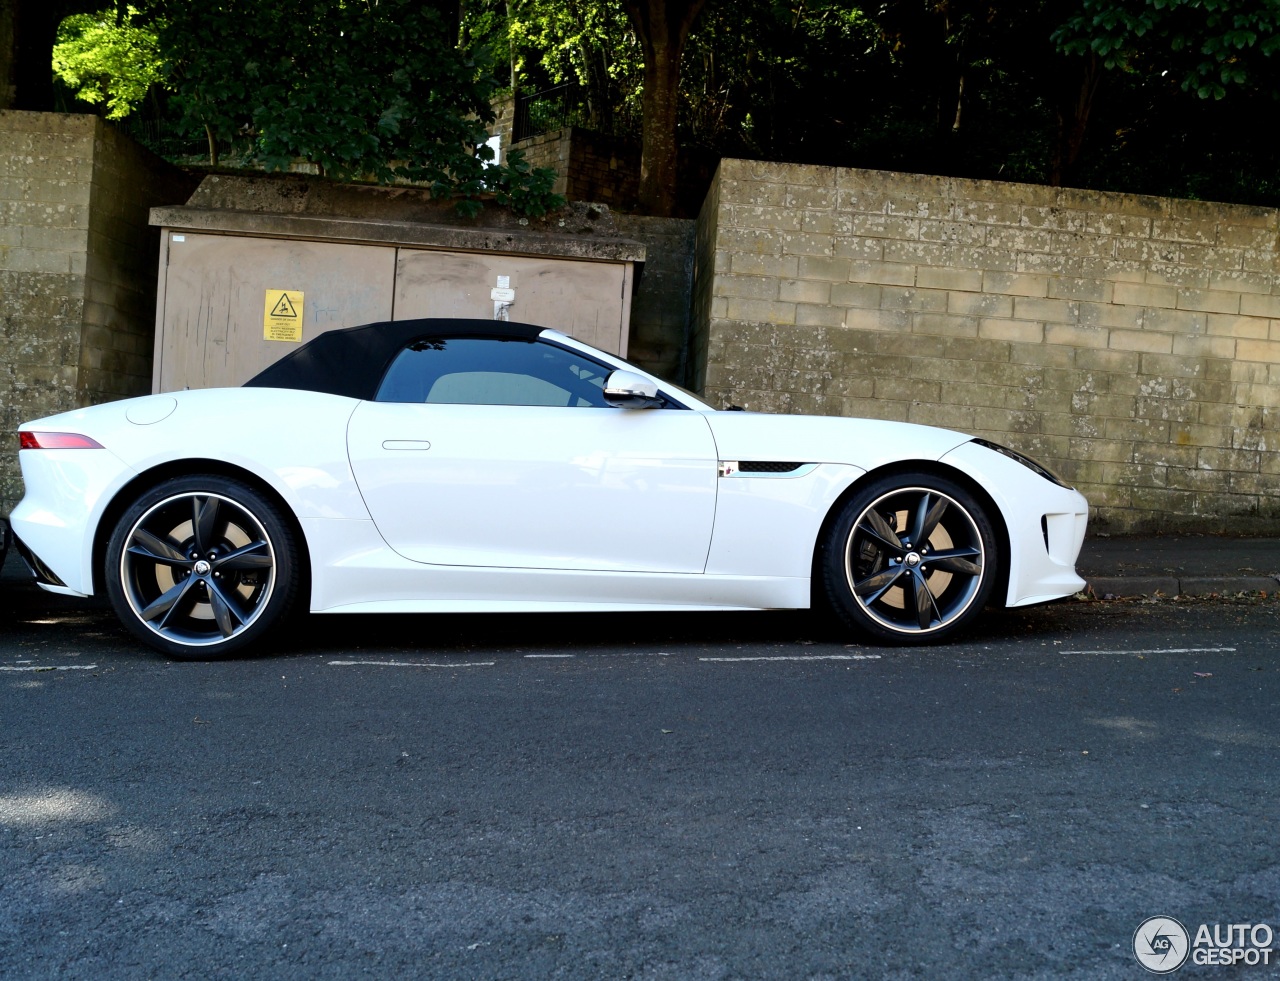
column 283, row 308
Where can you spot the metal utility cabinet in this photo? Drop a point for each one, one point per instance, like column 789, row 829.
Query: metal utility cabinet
column 238, row 290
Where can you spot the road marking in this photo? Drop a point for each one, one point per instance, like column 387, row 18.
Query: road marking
column 416, row 664
column 1164, row 650
column 51, row 667
column 626, row 653
column 800, row 657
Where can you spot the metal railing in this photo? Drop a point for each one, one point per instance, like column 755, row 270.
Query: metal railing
column 542, row 112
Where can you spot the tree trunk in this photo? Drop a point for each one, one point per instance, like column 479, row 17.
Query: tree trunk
column 662, row 27
column 28, row 29
column 658, row 163
column 8, row 51
column 955, row 123
column 451, row 17
column 213, row 146
column 1073, row 118
column 34, row 27
column 511, row 53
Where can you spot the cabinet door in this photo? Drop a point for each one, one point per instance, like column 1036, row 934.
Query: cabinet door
column 586, row 300
column 210, row 329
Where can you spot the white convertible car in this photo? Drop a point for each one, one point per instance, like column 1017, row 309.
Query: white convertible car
column 465, row 466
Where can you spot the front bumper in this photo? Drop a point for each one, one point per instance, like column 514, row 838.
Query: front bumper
column 1045, row 522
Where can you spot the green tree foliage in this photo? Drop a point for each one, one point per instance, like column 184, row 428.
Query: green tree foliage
column 1206, row 47
column 1209, row 45
column 761, row 77
column 1113, row 94
column 582, row 41
column 375, row 90
column 1151, row 96
column 110, row 59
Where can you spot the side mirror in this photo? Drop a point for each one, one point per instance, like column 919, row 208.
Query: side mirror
column 628, row 390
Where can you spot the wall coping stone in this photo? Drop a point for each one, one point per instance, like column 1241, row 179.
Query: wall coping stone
column 413, row 233
column 972, row 189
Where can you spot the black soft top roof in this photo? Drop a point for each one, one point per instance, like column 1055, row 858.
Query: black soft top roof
column 352, row 360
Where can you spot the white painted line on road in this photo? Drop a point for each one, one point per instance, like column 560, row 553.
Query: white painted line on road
column 1164, row 650
column 623, row 654
column 800, row 657
column 416, row 664
column 51, row 667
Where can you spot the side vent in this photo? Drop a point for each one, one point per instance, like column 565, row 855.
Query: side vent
column 767, row 466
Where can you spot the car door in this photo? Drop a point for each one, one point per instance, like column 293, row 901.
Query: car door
column 502, row 452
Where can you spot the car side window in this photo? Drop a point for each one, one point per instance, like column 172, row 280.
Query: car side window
column 493, row 371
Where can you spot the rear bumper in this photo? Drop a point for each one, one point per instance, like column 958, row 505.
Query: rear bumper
column 55, row 522
column 44, row 576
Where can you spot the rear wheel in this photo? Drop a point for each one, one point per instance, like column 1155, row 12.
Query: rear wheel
column 200, row 567
column 911, row 558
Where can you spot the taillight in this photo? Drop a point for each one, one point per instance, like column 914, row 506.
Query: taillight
column 56, row 441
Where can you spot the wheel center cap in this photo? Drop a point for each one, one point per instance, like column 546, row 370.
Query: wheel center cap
column 912, row 559
column 203, row 568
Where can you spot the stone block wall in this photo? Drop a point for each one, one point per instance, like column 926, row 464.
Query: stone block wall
column 589, row 166
column 77, row 269
column 504, row 112
column 1132, row 343
column 603, row 169
column 549, row 150
column 120, row 274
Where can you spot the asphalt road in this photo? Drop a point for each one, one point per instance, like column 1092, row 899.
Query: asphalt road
column 702, row 796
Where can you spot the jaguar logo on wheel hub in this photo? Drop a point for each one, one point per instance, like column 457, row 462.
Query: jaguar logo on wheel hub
column 912, row 559
column 202, row 568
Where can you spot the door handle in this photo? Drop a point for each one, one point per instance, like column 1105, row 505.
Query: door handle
column 405, row 444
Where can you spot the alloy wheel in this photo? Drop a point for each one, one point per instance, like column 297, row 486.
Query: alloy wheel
column 198, row 569
column 915, row 560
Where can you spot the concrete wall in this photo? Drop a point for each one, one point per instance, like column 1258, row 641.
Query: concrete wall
column 1133, row 343
column 77, row 269
column 660, row 316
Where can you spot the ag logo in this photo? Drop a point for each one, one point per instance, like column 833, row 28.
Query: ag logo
column 1161, row 944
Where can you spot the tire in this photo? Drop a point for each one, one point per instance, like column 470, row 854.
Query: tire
column 201, row 567
column 880, row 580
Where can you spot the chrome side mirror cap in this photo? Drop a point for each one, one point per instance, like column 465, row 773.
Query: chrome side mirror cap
column 628, row 390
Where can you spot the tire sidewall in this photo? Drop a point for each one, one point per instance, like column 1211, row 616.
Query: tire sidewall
column 835, row 580
column 281, row 538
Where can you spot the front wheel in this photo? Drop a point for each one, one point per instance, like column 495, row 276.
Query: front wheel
column 911, row 558
column 200, row 567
